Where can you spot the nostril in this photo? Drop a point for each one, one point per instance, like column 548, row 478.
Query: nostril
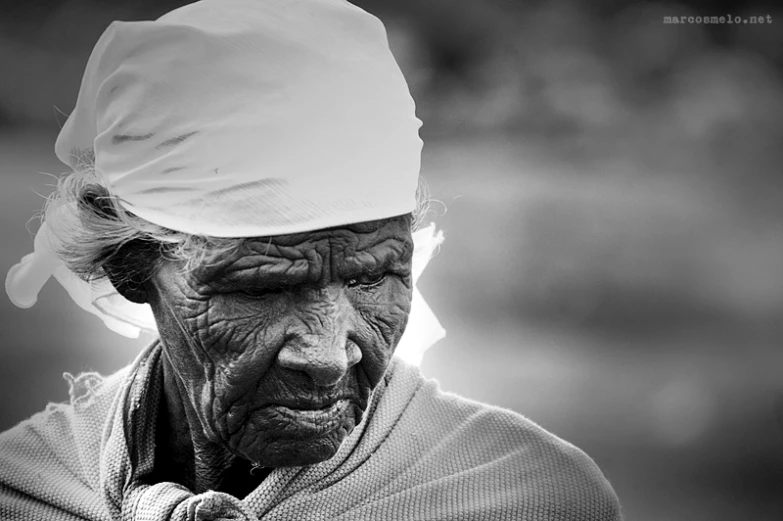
column 327, row 376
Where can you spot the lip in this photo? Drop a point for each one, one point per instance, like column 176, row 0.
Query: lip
column 310, row 405
column 316, row 419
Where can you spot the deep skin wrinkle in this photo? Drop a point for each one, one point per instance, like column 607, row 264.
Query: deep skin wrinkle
column 270, row 356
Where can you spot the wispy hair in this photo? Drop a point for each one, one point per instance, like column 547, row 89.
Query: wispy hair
column 89, row 226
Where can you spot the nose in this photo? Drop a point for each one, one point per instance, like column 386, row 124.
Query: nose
column 320, row 346
column 325, row 361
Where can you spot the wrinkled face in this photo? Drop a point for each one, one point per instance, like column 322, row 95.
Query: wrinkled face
column 279, row 347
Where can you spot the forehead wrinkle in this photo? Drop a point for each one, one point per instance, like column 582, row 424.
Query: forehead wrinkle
column 310, row 254
column 322, row 255
column 390, row 253
column 253, row 251
column 264, row 269
column 368, row 231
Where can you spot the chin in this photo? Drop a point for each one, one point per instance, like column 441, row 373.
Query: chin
column 298, row 453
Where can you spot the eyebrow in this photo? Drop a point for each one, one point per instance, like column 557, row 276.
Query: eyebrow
column 267, row 275
column 393, row 257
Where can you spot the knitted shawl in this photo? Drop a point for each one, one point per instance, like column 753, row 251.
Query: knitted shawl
column 419, row 454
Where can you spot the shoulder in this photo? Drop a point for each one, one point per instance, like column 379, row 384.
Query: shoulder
column 539, row 470
column 49, row 463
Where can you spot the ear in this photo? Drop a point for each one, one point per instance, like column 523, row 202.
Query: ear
column 130, row 271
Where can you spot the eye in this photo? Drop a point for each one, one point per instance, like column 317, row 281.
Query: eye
column 253, row 295
column 259, row 294
column 366, row 281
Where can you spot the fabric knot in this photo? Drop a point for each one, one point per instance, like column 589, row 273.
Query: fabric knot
column 212, row 506
column 172, row 502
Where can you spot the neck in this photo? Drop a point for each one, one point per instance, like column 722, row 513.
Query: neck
column 185, row 456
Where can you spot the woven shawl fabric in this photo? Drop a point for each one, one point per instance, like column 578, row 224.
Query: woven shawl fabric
column 420, row 454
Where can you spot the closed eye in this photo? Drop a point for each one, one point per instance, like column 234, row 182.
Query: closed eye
column 366, row 281
column 260, row 294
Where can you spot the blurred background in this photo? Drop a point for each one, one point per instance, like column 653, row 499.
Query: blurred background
column 610, row 188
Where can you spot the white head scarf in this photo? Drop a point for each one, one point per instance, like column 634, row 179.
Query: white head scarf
column 243, row 118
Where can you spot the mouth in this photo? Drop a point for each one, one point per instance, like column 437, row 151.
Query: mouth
column 313, row 418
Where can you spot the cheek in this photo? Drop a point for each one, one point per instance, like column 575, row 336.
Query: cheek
column 383, row 315
column 242, row 338
column 224, row 347
column 176, row 316
column 237, row 329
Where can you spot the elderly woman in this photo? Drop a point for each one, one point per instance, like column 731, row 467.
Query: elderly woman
column 245, row 184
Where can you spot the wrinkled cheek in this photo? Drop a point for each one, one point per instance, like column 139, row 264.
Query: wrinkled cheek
column 212, row 414
column 399, row 329
column 232, row 388
column 381, row 332
column 387, row 322
column 399, row 310
column 226, row 414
